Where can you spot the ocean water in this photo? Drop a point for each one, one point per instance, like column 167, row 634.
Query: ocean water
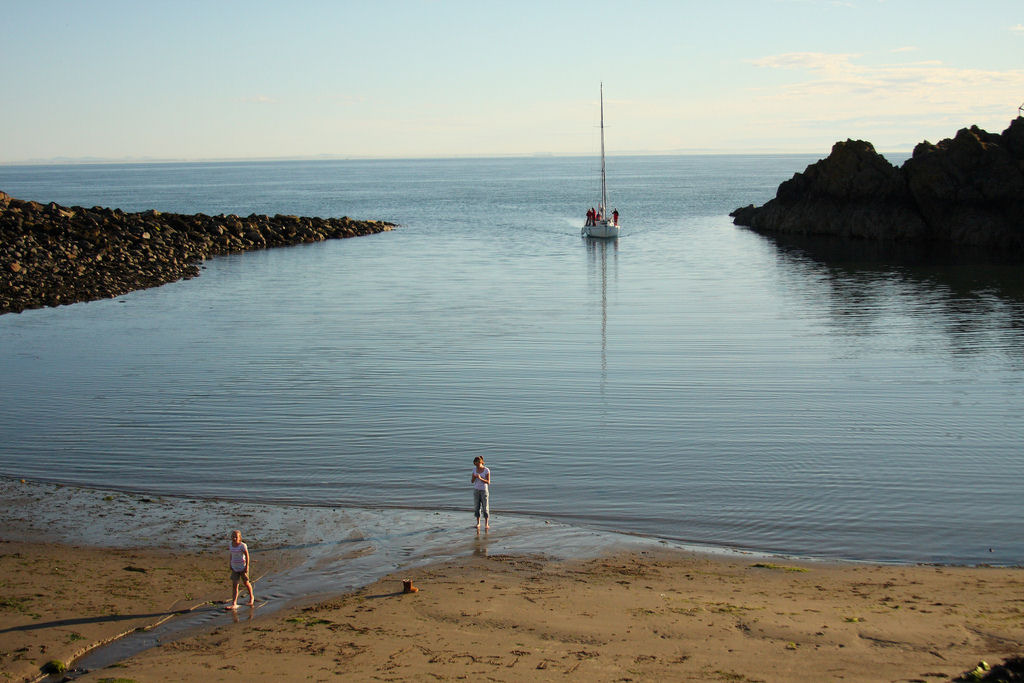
column 691, row 380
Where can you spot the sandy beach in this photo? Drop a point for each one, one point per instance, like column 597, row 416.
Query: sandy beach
column 627, row 616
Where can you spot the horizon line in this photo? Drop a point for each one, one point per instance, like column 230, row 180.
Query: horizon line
column 86, row 160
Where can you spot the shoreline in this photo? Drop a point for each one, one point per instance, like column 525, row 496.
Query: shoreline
column 526, row 523
column 81, row 566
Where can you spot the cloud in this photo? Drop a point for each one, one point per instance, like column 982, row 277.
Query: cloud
column 1019, row 28
column 260, row 99
column 811, row 99
column 812, row 61
column 347, row 99
column 840, row 81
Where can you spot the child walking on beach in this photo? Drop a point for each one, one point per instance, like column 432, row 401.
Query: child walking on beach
column 481, row 493
column 239, row 569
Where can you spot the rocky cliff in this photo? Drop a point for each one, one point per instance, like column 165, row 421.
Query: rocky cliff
column 52, row 255
column 968, row 190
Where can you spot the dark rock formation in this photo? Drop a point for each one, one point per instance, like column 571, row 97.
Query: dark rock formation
column 52, row 255
column 965, row 191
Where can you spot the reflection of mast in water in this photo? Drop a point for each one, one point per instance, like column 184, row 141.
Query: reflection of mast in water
column 599, row 252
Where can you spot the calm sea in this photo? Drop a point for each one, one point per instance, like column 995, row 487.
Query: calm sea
column 691, row 380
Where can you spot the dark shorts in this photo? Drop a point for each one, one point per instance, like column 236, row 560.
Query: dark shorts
column 239, row 576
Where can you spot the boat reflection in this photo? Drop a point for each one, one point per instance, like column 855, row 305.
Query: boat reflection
column 600, row 254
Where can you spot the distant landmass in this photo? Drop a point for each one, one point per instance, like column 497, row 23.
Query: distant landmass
column 967, row 190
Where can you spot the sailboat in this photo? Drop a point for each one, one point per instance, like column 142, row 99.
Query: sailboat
column 599, row 224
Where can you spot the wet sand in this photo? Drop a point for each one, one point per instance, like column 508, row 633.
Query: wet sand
column 489, row 609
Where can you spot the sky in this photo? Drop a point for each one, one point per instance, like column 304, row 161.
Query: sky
column 226, row 79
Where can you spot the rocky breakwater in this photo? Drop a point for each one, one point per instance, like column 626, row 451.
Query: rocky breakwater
column 52, row 255
column 968, row 190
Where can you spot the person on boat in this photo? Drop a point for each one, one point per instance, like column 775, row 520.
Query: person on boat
column 615, row 216
column 592, row 216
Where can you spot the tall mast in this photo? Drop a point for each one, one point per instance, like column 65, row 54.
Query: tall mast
column 604, row 185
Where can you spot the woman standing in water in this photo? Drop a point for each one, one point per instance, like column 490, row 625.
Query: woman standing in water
column 481, row 493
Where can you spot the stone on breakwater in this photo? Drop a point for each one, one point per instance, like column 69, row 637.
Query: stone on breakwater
column 54, row 255
column 968, row 190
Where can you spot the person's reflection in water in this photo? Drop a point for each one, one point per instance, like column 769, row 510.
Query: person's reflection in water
column 480, row 544
column 247, row 613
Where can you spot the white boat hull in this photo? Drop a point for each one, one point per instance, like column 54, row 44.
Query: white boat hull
column 603, row 228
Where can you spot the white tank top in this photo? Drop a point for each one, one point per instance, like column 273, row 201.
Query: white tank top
column 238, row 557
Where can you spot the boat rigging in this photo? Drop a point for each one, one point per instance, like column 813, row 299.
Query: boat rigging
column 599, row 224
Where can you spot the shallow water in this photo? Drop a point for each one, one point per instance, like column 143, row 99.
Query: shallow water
column 299, row 553
column 691, row 381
